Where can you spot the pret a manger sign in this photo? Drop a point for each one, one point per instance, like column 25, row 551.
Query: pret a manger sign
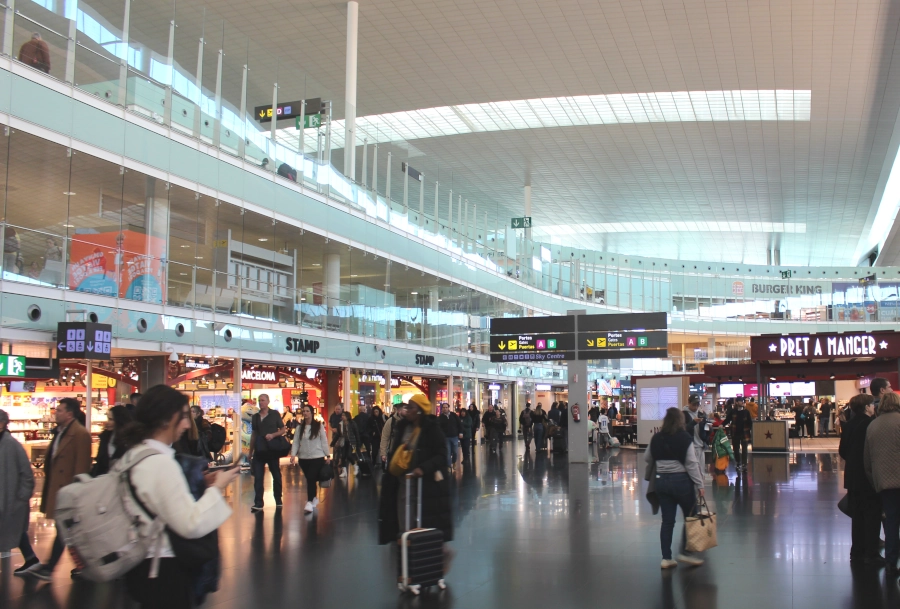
column 826, row 346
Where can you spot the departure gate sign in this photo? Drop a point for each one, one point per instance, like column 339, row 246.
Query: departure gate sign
column 849, row 345
column 538, row 339
column 83, row 340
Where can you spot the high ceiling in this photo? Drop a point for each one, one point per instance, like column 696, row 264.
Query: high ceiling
column 622, row 187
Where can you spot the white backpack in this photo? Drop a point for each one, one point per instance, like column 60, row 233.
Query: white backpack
column 98, row 520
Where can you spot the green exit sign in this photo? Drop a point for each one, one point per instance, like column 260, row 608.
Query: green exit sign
column 785, row 274
column 523, row 222
column 12, row 365
column 310, row 121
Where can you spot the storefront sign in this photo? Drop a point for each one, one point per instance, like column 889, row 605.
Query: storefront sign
column 259, row 376
column 12, row 365
column 83, row 340
column 300, row 345
column 825, row 346
column 543, row 387
column 785, row 289
column 196, row 365
column 424, row 360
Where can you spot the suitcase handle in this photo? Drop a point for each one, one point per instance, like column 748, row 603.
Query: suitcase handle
column 409, row 478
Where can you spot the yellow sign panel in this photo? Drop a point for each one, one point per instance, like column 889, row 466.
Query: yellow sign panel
column 99, row 381
column 601, row 342
column 220, row 243
column 512, row 345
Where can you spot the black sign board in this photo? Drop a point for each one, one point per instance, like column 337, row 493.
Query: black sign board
column 537, row 339
column 83, row 340
column 288, row 110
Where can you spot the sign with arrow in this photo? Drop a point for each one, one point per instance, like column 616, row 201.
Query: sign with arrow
column 12, row 365
column 523, row 222
column 83, row 340
column 310, row 121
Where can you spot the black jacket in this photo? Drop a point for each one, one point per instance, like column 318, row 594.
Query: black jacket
column 852, row 450
column 554, row 415
column 104, row 461
column 450, row 425
column 431, row 457
column 365, row 425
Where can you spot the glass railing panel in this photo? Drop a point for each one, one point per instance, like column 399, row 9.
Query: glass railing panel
column 41, row 39
column 34, row 257
column 145, row 96
column 97, row 72
column 180, row 289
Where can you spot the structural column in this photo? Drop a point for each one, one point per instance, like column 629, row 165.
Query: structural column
column 388, row 398
column 578, row 391
column 528, row 209
column 347, row 397
column 236, row 443
column 332, row 281
column 350, row 91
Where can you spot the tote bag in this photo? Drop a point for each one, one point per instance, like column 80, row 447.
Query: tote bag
column 700, row 529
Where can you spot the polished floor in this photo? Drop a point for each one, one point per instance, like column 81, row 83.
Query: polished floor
column 533, row 532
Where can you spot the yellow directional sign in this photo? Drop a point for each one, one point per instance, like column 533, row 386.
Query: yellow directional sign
column 590, row 343
column 502, row 345
column 601, row 342
column 513, row 345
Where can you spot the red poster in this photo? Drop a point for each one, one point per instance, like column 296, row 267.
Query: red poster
column 124, row 264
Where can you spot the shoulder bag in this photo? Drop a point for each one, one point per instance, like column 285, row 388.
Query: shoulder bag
column 277, row 447
column 700, row 529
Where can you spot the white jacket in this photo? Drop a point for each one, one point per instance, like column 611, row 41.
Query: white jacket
column 161, row 486
column 310, row 448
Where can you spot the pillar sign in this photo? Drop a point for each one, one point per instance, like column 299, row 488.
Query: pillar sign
column 84, row 340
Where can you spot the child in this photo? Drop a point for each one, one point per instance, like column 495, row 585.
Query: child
column 603, row 428
column 722, row 451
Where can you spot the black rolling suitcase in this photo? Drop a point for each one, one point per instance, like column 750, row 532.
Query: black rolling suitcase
column 421, row 551
column 365, row 465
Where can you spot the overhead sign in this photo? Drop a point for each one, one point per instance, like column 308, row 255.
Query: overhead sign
column 633, row 335
column 523, row 222
column 310, row 121
column 850, row 345
column 301, row 345
column 288, row 110
column 83, row 340
column 259, row 375
column 12, row 365
column 628, row 335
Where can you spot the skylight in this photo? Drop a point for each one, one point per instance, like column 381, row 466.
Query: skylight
column 711, row 226
column 582, row 110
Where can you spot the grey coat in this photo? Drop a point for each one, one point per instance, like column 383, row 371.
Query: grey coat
column 16, row 488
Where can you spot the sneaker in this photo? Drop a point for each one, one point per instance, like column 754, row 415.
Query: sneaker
column 690, row 560
column 30, row 564
column 256, row 508
column 668, row 563
column 309, row 507
column 43, row 573
column 315, row 502
column 343, row 472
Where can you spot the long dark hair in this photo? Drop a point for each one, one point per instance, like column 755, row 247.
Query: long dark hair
column 673, row 422
column 120, row 416
column 314, row 428
column 155, row 409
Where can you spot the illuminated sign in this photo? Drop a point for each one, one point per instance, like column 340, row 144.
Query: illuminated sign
column 83, row 340
column 287, row 110
column 264, row 376
column 850, row 345
column 12, row 365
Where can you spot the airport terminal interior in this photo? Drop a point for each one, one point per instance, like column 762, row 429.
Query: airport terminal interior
column 574, row 269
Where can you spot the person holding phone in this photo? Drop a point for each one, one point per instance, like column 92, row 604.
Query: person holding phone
column 312, row 449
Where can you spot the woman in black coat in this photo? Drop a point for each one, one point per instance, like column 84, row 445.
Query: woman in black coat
column 865, row 505
column 419, row 432
column 109, row 450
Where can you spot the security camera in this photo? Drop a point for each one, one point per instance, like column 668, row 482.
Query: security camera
column 173, row 357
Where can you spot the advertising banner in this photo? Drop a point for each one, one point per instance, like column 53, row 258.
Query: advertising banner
column 124, row 264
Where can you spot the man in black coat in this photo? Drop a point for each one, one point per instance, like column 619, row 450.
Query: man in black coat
column 865, row 505
column 428, row 463
column 365, row 425
column 452, row 431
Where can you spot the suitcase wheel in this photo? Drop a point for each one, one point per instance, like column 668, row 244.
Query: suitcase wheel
column 415, row 589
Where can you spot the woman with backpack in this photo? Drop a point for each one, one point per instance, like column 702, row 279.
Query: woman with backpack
column 311, row 447
column 161, row 490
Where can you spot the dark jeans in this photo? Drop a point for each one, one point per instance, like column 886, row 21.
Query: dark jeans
column 452, row 450
column 740, row 449
column 865, row 512
column 527, row 434
column 890, row 504
column 673, row 490
column 25, row 546
column 538, row 436
column 493, row 435
column 311, row 468
column 465, row 443
column 260, row 461
column 171, row 589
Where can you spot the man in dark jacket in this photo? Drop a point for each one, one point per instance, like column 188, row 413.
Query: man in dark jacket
column 491, row 422
column 452, row 430
column 527, row 425
column 741, row 422
column 865, row 506
column 428, row 463
column 554, row 413
column 365, row 425
column 613, row 412
column 36, row 53
column 334, row 421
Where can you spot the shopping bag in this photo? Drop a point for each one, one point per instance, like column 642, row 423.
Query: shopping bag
column 700, row 529
column 722, row 463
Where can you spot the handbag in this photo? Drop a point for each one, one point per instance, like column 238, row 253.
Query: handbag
column 700, row 529
column 277, row 447
column 326, row 475
column 722, row 463
column 844, row 505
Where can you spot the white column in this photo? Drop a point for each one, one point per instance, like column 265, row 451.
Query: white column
column 89, row 374
column 123, row 63
column 578, row 392
column 332, row 280
column 422, row 202
column 465, row 226
column 375, row 170
column 437, row 221
column 198, row 82
column 528, row 209
column 8, row 27
column 387, row 185
column 236, row 419
column 388, row 398
column 365, row 167
column 345, row 376
column 450, row 217
column 350, row 91
column 450, row 391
